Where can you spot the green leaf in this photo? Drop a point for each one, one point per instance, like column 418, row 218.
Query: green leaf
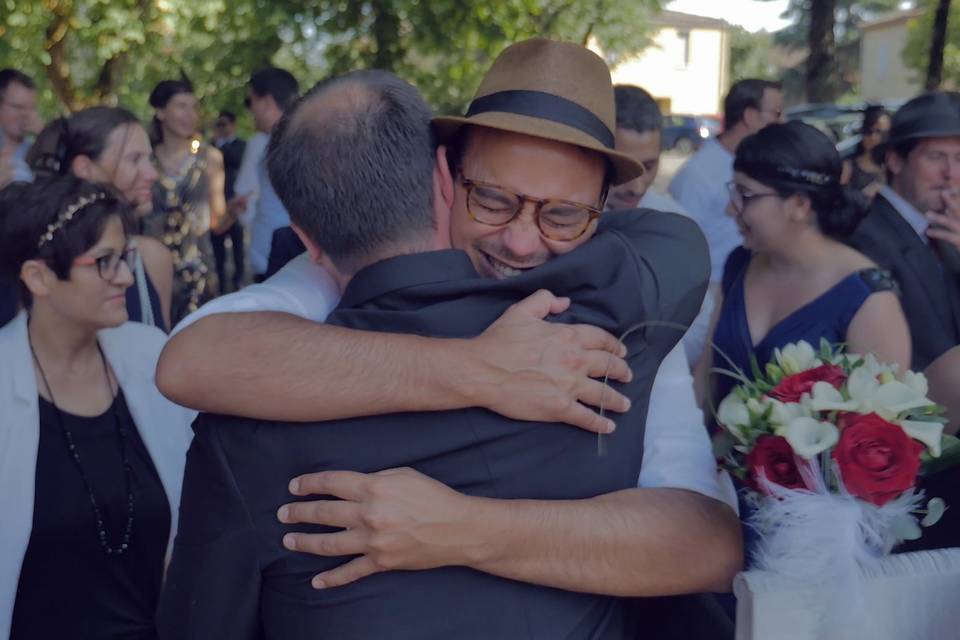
column 949, row 456
column 755, row 368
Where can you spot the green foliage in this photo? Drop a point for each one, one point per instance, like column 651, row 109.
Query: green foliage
column 84, row 52
column 844, row 68
column 849, row 15
column 750, row 55
column 916, row 54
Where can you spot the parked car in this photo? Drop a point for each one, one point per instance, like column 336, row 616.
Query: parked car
column 686, row 133
column 840, row 122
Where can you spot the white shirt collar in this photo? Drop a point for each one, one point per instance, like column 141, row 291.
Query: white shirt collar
column 907, row 211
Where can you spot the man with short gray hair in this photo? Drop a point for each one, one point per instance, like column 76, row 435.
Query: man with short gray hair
column 545, row 239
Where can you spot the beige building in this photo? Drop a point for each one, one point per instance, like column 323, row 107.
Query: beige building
column 687, row 68
column 883, row 76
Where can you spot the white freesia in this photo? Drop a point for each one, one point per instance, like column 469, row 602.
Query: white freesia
column 809, row 437
column 873, row 388
column 862, row 384
column 734, row 415
column 896, row 397
column 783, row 413
column 826, row 397
column 917, row 382
column 887, row 399
column 929, row 433
column 796, row 357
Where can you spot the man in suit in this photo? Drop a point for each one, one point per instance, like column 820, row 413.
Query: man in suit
column 472, row 450
column 232, row 148
column 900, row 231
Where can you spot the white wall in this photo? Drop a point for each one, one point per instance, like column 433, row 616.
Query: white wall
column 693, row 80
column 883, row 76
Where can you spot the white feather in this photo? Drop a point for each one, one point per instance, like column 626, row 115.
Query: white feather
column 822, row 539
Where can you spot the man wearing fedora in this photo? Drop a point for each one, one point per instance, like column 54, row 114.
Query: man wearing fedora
column 913, row 218
column 526, row 183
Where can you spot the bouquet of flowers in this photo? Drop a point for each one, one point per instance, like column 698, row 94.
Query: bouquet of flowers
column 830, row 446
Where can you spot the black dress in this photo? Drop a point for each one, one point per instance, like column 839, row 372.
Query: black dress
column 69, row 587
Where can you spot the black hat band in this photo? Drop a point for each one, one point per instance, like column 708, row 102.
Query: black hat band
column 546, row 106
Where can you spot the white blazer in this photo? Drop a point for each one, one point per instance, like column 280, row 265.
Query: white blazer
column 132, row 350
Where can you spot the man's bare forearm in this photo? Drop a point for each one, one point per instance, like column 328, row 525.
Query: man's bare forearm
column 275, row 366
column 301, row 370
column 636, row 542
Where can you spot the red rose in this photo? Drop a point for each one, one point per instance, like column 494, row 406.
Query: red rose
column 793, row 387
column 773, row 457
column 877, row 459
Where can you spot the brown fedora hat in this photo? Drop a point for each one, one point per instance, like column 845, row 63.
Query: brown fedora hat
column 547, row 89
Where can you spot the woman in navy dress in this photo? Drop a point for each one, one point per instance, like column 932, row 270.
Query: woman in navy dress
column 794, row 278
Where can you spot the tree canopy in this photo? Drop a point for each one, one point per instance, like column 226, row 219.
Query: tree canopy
column 84, row 52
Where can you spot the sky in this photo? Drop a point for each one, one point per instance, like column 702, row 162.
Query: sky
column 752, row 15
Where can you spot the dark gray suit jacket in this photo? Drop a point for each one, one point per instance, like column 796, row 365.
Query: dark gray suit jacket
column 930, row 295
column 230, row 576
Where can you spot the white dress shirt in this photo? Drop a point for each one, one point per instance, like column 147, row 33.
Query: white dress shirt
column 701, row 187
column 657, row 201
column 676, row 452
column 247, row 181
column 696, row 336
column 907, row 211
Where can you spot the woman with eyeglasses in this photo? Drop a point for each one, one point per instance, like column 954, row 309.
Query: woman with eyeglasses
column 108, row 145
column 188, row 199
column 866, row 171
column 91, row 455
column 794, row 278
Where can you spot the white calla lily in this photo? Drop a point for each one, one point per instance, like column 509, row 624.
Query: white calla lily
column 733, row 415
column 929, row 433
column 826, row 398
column 796, row 357
column 809, row 437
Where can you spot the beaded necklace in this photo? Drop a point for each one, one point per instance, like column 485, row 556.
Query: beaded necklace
column 75, row 454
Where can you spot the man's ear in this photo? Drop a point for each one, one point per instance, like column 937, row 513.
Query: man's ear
column 893, row 162
column 751, row 118
column 36, row 275
column 316, row 253
column 442, row 198
column 445, row 176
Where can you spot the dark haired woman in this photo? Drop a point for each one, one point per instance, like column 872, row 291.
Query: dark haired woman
column 108, row 145
column 794, row 278
column 188, row 198
column 91, row 455
column 867, row 173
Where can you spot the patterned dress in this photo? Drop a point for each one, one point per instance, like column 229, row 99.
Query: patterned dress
column 181, row 219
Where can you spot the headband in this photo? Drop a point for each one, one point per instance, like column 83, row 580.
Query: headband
column 763, row 171
column 68, row 215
